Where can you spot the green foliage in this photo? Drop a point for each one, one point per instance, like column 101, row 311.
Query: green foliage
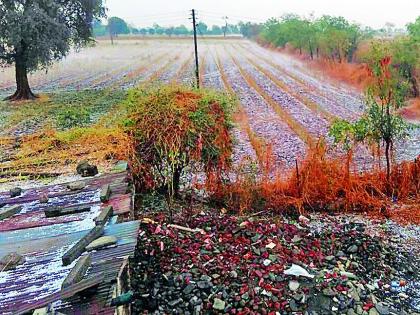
column 347, row 133
column 380, row 123
column 117, row 26
column 332, row 37
column 99, row 29
column 73, row 117
column 36, row 33
column 173, row 128
column 96, row 103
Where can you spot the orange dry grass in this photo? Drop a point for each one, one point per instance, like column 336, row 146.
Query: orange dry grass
column 356, row 75
column 51, row 150
column 412, row 111
column 322, row 184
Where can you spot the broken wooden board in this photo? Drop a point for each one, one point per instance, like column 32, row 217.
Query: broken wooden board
column 105, row 193
column 77, row 273
column 63, row 294
column 104, row 216
column 73, row 253
column 57, row 211
column 7, row 212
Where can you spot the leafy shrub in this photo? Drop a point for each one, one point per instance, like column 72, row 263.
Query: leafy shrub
column 172, row 128
column 73, row 117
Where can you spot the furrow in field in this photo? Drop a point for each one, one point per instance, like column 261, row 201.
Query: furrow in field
column 133, row 76
column 181, row 71
column 315, row 107
column 293, row 124
column 332, row 100
column 305, row 121
column 247, row 143
column 264, row 121
column 160, row 72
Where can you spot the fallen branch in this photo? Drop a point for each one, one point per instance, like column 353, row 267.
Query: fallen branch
column 186, row 229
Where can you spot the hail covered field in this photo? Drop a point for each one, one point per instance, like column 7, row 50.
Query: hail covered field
column 282, row 102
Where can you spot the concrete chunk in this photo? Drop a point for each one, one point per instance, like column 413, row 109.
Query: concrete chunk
column 105, row 193
column 7, row 212
column 105, row 214
column 102, row 242
column 73, row 253
column 11, row 261
column 76, row 185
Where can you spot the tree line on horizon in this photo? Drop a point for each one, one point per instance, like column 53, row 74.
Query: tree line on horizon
column 117, row 26
column 338, row 40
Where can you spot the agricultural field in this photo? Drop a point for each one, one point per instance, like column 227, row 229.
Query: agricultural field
column 282, row 102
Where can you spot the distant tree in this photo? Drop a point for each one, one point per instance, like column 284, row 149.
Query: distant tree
column 202, row 28
column 117, row 26
column 233, row 29
column 98, row 28
column 170, row 31
column 181, row 30
column 216, row 30
column 159, row 30
column 414, row 30
column 35, row 33
column 143, row 31
column 133, row 29
column 250, row 30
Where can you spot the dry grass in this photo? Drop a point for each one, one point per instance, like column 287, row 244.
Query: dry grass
column 412, row 111
column 321, row 184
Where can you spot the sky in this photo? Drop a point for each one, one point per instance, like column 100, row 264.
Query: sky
column 374, row 13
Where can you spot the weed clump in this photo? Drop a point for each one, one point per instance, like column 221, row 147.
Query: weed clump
column 172, row 128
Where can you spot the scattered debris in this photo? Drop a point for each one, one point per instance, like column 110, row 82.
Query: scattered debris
column 76, row 185
column 15, row 192
column 86, row 170
column 298, row 271
column 11, row 261
column 9, row 211
column 101, row 242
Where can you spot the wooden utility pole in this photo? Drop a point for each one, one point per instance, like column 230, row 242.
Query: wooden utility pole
column 197, row 71
column 226, row 26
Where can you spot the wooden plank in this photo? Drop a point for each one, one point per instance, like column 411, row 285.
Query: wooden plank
column 7, row 212
column 63, row 294
column 77, row 273
column 105, row 214
column 105, row 193
column 57, row 211
column 73, row 253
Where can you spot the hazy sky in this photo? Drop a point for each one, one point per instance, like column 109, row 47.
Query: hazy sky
column 373, row 13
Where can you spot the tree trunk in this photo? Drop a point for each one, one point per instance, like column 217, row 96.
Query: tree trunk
column 388, row 161
column 23, row 90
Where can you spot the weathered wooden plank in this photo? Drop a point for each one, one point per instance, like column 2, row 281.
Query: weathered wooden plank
column 58, row 211
column 63, row 294
column 104, row 216
column 73, row 253
column 105, row 193
column 77, row 273
column 7, row 212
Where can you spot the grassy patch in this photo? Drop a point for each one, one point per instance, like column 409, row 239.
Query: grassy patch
column 62, row 110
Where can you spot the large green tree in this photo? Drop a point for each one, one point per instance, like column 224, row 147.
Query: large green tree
column 117, row 26
column 35, row 33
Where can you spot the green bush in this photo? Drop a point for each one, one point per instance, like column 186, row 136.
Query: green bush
column 73, row 117
column 172, row 128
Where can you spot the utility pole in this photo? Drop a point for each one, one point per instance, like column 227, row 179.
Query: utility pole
column 197, row 71
column 226, row 25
